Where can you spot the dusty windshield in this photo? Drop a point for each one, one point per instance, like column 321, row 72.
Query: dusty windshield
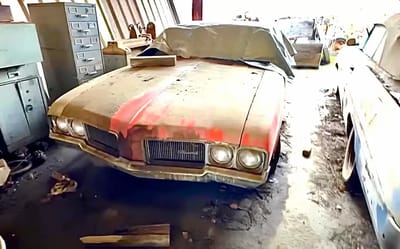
column 226, row 41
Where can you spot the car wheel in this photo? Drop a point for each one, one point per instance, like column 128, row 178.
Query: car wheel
column 349, row 170
column 275, row 158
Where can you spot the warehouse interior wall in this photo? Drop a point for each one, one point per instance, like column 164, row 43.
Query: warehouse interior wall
column 114, row 16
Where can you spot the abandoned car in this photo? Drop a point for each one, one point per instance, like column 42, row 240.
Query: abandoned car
column 307, row 39
column 370, row 97
column 215, row 115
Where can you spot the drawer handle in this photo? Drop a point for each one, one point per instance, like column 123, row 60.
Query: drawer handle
column 92, row 73
column 84, row 30
column 87, row 46
column 82, row 15
column 89, row 59
column 13, row 74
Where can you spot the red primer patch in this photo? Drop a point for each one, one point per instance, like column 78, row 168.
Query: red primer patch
column 215, row 134
column 132, row 111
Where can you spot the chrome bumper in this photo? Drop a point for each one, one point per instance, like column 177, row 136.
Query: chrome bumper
column 140, row 169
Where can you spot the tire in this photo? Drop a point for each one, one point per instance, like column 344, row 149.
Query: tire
column 349, row 170
column 275, row 158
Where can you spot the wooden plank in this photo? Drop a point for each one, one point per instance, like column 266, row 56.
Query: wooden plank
column 134, row 43
column 151, row 240
column 161, row 229
column 148, row 61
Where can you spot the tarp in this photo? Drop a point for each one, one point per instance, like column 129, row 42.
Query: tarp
column 238, row 42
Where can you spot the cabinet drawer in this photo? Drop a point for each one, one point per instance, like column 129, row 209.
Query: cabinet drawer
column 17, row 73
column 80, row 13
column 87, row 72
column 85, row 43
column 83, row 29
column 89, row 57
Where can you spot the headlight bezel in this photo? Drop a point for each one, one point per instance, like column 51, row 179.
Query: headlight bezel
column 73, row 130
column 70, row 129
column 57, row 125
column 257, row 167
column 215, row 161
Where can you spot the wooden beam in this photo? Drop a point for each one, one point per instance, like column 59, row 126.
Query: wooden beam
column 126, row 12
column 149, row 61
column 174, row 12
column 25, row 10
column 106, row 21
column 118, row 18
column 154, row 7
column 137, row 17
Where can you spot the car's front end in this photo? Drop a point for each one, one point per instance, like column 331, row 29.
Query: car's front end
column 169, row 159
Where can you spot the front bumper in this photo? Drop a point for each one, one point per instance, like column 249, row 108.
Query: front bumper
column 140, row 169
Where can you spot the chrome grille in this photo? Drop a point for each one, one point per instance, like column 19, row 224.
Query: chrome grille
column 102, row 140
column 176, row 153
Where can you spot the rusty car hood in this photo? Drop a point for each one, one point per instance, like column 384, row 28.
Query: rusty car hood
column 196, row 99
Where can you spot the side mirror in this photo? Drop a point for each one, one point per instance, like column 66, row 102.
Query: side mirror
column 351, row 42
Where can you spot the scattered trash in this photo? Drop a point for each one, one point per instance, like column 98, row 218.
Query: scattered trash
column 137, row 236
column 4, row 172
column 64, row 184
column 272, row 180
column 339, row 208
column 306, row 152
column 213, row 220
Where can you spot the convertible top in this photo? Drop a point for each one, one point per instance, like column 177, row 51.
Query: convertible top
column 240, row 42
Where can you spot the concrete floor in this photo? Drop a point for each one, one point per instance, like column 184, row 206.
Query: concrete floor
column 304, row 206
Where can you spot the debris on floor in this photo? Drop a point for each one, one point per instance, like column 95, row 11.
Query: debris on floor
column 64, row 184
column 136, row 236
column 4, row 172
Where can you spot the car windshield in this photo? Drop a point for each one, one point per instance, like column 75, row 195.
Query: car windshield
column 226, row 41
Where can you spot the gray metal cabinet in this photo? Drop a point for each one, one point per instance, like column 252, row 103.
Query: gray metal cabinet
column 23, row 100
column 70, row 43
column 23, row 113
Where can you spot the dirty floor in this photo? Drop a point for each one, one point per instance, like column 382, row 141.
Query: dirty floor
column 303, row 206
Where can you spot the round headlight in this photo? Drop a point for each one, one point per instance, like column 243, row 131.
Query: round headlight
column 221, row 154
column 62, row 124
column 78, row 128
column 250, row 159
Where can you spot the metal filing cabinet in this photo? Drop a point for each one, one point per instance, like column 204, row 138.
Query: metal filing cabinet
column 23, row 99
column 70, row 43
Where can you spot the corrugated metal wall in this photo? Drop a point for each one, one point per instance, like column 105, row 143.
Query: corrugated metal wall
column 114, row 16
